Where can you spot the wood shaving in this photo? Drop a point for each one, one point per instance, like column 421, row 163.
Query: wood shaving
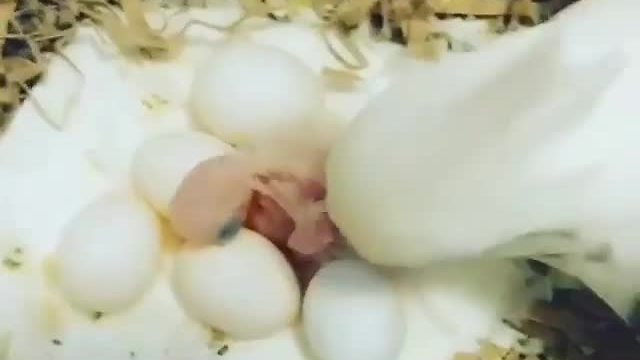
column 422, row 41
column 577, row 325
column 355, row 60
column 341, row 80
column 32, row 29
column 8, row 90
column 130, row 31
column 490, row 351
column 525, row 8
column 29, row 31
column 341, row 18
column 411, row 22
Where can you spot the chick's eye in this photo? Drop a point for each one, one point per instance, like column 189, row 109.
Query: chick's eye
column 230, row 229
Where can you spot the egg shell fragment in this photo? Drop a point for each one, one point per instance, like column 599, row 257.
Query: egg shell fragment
column 243, row 287
column 162, row 162
column 109, row 254
column 352, row 312
column 250, row 92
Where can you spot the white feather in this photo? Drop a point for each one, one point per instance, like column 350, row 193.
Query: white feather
column 430, row 172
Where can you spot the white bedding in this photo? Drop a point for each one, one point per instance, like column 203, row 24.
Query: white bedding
column 47, row 175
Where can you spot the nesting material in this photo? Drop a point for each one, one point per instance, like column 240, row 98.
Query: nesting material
column 421, row 38
column 574, row 323
column 31, row 31
column 8, row 90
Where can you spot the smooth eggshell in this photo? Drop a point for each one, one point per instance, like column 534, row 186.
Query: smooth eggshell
column 162, row 162
column 243, row 287
column 352, row 312
column 249, row 92
column 109, row 254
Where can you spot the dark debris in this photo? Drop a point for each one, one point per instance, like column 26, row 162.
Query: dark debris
column 223, row 350
column 577, row 325
column 97, row 315
column 47, row 25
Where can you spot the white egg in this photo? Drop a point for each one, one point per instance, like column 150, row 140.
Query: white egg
column 109, row 254
column 352, row 312
column 244, row 287
column 249, row 92
column 162, row 162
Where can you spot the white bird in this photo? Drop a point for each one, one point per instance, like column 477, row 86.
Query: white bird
column 515, row 150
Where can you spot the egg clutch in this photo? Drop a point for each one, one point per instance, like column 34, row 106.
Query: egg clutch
column 245, row 194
